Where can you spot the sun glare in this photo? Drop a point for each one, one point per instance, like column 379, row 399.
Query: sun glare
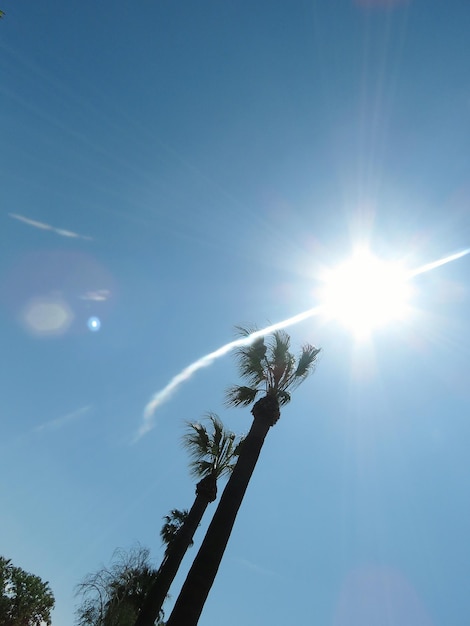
column 362, row 294
column 366, row 293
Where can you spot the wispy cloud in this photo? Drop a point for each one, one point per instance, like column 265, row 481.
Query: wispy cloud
column 44, row 226
column 61, row 421
column 97, row 295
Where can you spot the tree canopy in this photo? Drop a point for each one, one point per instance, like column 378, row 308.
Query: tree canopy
column 25, row 599
column 112, row 596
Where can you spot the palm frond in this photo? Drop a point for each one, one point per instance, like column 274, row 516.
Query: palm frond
column 239, row 395
column 236, row 448
column 280, row 344
column 250, row 358
column 197, row 442
column 305, row 364
column 227, row 457
column 201, row 468
column 196, row 438
column 217, row 435
column 173, row 522
column 283, row 397
column 279, row 361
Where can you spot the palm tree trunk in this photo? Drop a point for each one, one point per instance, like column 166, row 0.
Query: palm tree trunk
column 206, row 492
column 190, row 602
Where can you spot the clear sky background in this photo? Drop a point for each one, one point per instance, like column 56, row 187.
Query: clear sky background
column 177, row 168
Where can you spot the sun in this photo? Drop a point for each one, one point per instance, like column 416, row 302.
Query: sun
column 366, row 293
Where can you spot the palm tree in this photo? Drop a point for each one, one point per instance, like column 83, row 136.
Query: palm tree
column 213, row 452
column 272, row 371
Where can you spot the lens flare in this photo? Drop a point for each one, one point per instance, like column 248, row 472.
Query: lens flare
column 45, row 317
column 94, row 324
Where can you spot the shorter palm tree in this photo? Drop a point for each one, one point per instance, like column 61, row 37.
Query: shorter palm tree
column 213, row 452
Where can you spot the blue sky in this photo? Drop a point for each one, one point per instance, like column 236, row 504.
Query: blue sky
column 175, row 169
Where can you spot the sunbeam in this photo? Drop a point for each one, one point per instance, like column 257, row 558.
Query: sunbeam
column 164, row 394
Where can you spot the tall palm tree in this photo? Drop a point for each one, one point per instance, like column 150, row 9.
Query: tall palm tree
column 271, row 370
column 213, row 452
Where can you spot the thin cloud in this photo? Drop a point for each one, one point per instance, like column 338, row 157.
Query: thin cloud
column 97, row 295
column 59, row 422
column 66, row 233
column 44, row 226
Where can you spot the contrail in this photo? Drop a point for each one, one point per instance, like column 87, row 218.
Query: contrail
column 58, row 422
column 434, row 264
column 162, row 396
column 43, row 226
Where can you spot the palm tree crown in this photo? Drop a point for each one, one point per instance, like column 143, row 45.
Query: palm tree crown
column 169, row 531
column 270, row 368
column 213, row 453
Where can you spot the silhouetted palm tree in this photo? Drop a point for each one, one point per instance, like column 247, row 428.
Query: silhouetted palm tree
column 213, row 452
column 271, row 370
